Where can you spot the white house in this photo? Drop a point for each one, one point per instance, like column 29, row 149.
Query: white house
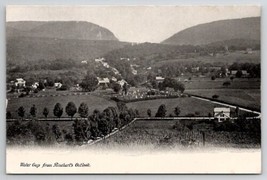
column 58, row 84
column 221, row 113
column 35, row 85
column 122, row 82
column 159, row 78
column 20, row 82
column 103, row 81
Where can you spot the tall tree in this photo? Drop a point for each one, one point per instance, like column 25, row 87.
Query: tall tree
column 177, row 111
column 71, row 109
column 45, row 112
column 33, row 111
column 21, row 111
column 90, row 82
column 161, row 111
column 58, row 110
column 149, row 112
column 83, row 110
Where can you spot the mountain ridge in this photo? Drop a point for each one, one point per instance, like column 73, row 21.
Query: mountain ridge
column 244, row 28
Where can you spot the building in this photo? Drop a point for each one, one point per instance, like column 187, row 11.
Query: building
column 244, row 73
column 122, row 82
column 20, row 82
column 221, row 113
column 58, row 84
column 35, row 85
column 159, row 79
column 103, row 81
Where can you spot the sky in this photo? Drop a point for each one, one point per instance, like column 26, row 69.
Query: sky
column 134, row 23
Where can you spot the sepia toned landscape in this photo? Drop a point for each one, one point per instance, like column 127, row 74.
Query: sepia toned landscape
column 74, row 83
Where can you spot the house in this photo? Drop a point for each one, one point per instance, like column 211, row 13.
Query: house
column 20, row 82
column 58, row 84
column 159, row 79
column 244, row 73
column 99, row 59
column 114, row 79
column 103, row 81
column 84, row 62
column 35, row 85
column 122, row 82
column 221, row 113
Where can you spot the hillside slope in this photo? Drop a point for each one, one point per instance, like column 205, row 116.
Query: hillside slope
column 59, row 29
column 245, row 28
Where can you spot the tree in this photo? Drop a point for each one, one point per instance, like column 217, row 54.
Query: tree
column 239, row 74
column 90, row 82
column 45, row 112
column 21, row 111
column 232, row 78
column 83, row 110
column 215, row 96
column 161, row 111
column 125, row 88
column 58, row 110
column 213, row 78
column 116, row 87
column 177, row 111
column 149, row 112
column 71, row 109
column 33, row 111
column 41, row 85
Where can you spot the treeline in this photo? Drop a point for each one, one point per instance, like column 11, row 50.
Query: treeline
column 57, row 64
column 254, row 70
column 88, row 127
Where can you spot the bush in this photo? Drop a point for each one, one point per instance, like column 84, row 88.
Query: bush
column 215, row 96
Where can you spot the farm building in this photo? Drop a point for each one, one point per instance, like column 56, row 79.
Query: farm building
column 244, row 73
column 221, row 113
column 160, row 79
column 20, row 82
column 103, row 81
column 58, row 84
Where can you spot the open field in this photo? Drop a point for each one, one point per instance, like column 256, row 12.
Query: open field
column 154, row 135
column 207, row 83
column 238, row 56
column 250, row 98
column 93, row 103
column 187, row 106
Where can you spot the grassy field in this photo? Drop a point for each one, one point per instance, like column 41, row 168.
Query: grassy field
column 154, row 135
column 187, row 106
column 250, row 98
column 92, row 101
column 207, row 83
column 231, row 58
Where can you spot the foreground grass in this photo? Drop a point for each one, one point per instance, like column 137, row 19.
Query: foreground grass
column 163, row 134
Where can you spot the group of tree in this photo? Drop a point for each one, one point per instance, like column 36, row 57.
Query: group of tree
column 171, row 83
column 88, row 126
column 162, row 111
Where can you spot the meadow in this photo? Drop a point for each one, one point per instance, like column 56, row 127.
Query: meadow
column 187, row 106
column 250, row 98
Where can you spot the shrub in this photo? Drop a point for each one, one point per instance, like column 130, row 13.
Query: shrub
column 215, row 96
